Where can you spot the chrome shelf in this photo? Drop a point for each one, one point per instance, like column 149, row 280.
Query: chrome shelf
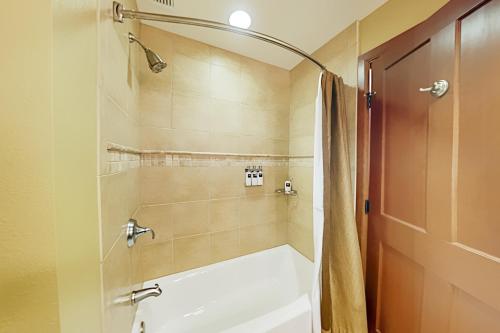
column 292, row 193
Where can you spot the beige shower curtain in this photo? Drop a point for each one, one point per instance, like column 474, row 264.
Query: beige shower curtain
column 343, row 308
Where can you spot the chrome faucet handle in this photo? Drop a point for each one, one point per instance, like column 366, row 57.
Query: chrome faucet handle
column 134, row 231
column 141, row 230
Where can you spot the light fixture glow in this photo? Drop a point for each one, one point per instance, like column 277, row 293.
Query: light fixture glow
column 240, row 19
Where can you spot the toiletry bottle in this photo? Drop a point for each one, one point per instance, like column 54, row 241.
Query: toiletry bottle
column 248, row 177
column 255, row 176
column 260, row 180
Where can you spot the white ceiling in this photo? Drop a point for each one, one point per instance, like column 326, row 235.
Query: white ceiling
column 307, row 24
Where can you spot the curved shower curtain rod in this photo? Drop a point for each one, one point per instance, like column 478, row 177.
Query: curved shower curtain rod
column 120, row 13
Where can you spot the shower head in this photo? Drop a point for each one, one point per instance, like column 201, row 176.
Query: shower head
column 155, row 62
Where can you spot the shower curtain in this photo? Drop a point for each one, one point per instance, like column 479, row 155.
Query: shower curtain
column 338, row 296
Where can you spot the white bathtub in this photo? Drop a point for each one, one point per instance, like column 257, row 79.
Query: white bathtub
column 262, row 292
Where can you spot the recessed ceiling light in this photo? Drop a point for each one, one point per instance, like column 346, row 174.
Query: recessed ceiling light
column 240, row 19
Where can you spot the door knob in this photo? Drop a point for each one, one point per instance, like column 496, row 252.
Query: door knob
column 134, row 231
column 438, row 88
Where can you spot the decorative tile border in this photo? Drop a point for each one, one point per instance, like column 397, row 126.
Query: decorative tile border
column 122, row 158
column 119, row 161
column 301, row 162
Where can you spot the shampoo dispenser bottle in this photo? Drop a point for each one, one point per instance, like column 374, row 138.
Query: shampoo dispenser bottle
column 260, row 180
column 255, row 176
column 248, row 177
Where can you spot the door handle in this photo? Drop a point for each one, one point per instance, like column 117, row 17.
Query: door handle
column 438, row 88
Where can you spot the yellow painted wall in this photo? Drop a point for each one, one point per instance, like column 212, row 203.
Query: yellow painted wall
column 75, row 58
column 392, row 18
column 28, row 284
column 49, row 245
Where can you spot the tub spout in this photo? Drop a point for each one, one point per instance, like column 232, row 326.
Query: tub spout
column 138, row 295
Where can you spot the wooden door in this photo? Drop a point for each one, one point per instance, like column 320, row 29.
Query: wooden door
column 433, row 256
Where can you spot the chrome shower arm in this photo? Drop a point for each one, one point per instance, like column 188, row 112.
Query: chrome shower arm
column 132, row 38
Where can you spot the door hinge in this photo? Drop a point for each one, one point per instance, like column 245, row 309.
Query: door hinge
column 367, row 206
column 370, row 94
column 369, row 99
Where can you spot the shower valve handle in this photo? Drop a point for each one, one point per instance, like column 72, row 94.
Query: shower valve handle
column 134, row 231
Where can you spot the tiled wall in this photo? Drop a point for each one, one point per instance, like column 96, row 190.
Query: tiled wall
column 118, row 173
column 340, row 56
column 210, row 100
column 206, row 100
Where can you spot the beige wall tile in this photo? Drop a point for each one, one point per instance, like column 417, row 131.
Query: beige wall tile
column 192, row 252
column 257, row 191
column 253, row 91
column 224, row 245
column 191, row 76
column 116, row 126
column 252, row 122
column 133, row 191
column 301, row 239
column 274, row 178
column 116, row 67
column 225, row 83
column 281, row 234
column 226, row 182
column 304, row 84
column 157, row 260
column 227, row 143
column 264, row 85
column 302, row 120
column 224, row 214
column 190, row 218
column 226, row 116
column 302, row 178
column 114, row 210
column 302, row 146
column 159, row 40
column 225, row 58
column 170, row 185
column 160, row 219
column 173, row 139
column 262, row 210
column 257, row 238
column 261, row 145
column 155, row 108
column 191, row 48
column 300, row 211
column 264, row 122
column 190, row 112
column 137, row 273
column 278, row 146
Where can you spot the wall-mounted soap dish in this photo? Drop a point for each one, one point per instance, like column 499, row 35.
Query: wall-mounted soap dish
column 287, row 189
column 291, row 192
